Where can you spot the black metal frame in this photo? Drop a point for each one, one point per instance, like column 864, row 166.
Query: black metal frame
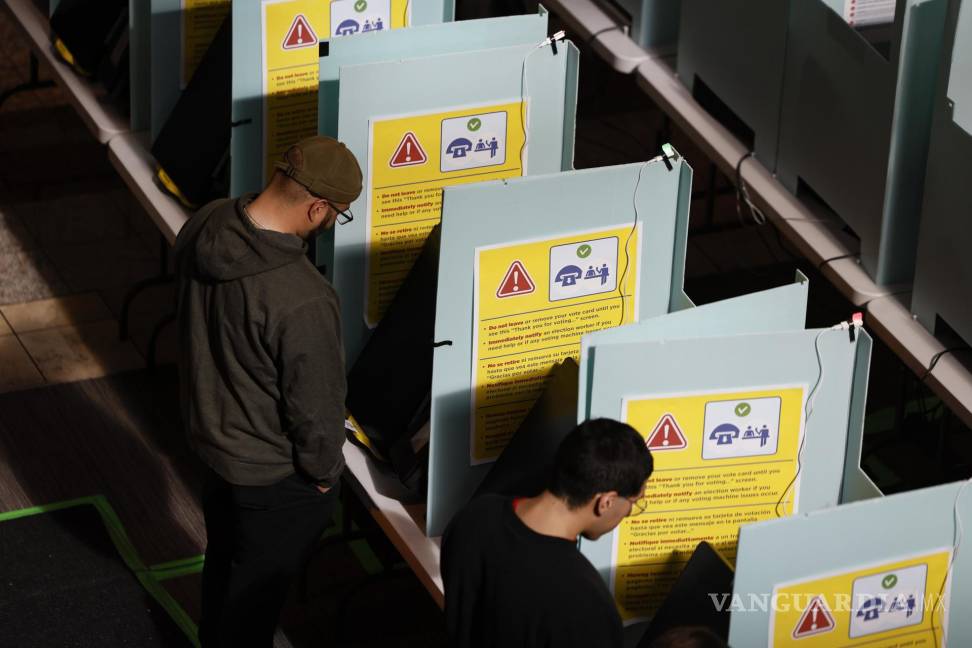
column 162, row 278
column 34, row 83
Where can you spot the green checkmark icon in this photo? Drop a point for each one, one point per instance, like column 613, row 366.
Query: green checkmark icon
column 474, row 124
column 889, row 581
column 584, row 251
column 360, row 6
column 743, row 409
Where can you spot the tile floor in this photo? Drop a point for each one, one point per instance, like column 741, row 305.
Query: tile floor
column 72, row 243
column 65, row 266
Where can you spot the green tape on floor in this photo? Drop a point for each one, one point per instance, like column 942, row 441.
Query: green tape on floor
column 150, row 578
column 177, row 568
column 366, row 557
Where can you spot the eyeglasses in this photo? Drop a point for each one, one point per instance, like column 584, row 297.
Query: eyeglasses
column 343, row 217
column 639, row 506
column 346, row 215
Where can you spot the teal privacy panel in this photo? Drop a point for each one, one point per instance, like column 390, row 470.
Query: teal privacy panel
column 855, row 123
column 167, row 75
column 847, row 538
column 731, row 52
column 739, row 363
column 165, row 47
column 527, row 209
column 774, row 310
column 247, row 140
column 139, row 63
column 959, row 86
column 943, row 272
column 654, row 23
column 427, row 40
column 417, row 42
column 441, row 83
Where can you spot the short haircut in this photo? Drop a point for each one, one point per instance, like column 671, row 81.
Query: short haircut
column 598, row 456
column 291, row 190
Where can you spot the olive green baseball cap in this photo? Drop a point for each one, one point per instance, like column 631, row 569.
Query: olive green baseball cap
column 325, row 167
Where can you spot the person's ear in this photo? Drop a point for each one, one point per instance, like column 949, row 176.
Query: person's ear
column 317, row 212
column 604, row 502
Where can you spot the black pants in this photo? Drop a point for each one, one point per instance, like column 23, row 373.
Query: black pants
column 258, row 539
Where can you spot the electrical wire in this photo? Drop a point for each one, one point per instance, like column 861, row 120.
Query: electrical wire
column 742, row 195
column 593, row 37
column 957, row 536
column 523, row 92
column 627, row 241
column 938, row 356
column 807, row 412
column 408, row 3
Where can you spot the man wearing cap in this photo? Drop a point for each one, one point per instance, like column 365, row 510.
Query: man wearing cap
column 263, row 383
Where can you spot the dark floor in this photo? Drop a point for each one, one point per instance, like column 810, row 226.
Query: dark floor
column 78, row 416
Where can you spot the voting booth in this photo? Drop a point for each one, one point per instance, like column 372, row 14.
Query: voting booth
column 730, row 55
column 424, row 40
column 855, row 122
column 180, row 33
column 182, row 30
column 420, row 41
column 653, row 23
column 748, row 417
column 890, row 571
column 94, row 39
column 418, row 125
column 943, row 273
column 276, row 84
column 527, row 266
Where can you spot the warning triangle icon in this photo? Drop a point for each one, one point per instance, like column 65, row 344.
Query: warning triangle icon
column 816, row 619
column 409, row 152
column 667, row 435
column 300, row 34
column 516, row 282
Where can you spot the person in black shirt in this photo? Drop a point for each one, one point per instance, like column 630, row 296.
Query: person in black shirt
column 512, row 573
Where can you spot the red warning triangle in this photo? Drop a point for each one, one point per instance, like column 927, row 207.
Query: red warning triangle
column 815, row 620
column 300, row 34
column 516, row 282
column 667, row 435
column 409, row 152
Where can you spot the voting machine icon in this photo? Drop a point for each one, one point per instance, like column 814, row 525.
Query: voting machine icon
column 747, row 428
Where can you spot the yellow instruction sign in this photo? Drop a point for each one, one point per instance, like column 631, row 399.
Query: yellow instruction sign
column 201, row 20
column 894, row 604
column 721, row 460
column 292, row 32
column 350, row 17
column 533, row 302
column 291, row 74
column 412, row 158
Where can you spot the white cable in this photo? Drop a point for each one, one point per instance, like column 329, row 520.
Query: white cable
column 807, row 412
column 957, row 538
column 956, row 514
column 808, row 408
column 627, row 241
column 523, row 91
column 857, row 324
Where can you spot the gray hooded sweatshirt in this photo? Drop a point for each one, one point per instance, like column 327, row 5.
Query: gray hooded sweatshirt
column 261, row 363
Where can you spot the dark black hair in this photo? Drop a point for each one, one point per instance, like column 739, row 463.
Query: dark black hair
column 598, row 456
